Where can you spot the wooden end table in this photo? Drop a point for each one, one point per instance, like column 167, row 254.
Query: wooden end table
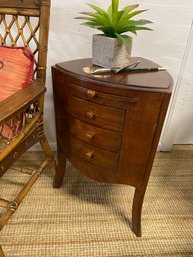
column 108, row 126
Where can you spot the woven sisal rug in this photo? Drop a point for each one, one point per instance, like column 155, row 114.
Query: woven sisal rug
column 88, row 219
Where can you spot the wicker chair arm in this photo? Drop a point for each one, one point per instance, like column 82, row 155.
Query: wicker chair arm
column 17, row 102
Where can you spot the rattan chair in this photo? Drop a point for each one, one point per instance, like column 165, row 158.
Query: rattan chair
column 24, row 23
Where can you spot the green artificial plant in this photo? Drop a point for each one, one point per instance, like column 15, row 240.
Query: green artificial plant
column 114, row 23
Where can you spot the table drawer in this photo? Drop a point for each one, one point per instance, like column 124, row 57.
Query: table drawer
column 99, row 97
column 103, row 138
column 94, row 155
column 95, row 114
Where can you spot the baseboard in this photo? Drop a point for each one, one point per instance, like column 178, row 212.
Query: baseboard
column 163, row 148
column 38, row 148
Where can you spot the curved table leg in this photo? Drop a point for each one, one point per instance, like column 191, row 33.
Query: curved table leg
column 136, row 211
column 58, row 178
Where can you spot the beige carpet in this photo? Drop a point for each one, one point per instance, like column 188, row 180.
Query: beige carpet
column 88, row 219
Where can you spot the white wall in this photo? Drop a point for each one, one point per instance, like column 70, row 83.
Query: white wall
column 165, row 45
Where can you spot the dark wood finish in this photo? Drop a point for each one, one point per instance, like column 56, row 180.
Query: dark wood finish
column 101, row 116
column 138, row 81
column 98, row 97
column 102, row 138
column 93, row 155
column 28, row 4
column 126, row 115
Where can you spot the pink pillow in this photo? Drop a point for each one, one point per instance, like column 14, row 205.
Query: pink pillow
column 16, row 72
column 16, row 69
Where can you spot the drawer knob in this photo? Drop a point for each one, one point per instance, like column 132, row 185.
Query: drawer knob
column 89, row 155
column 90, row 115
column 91, row 94
column 89, row 135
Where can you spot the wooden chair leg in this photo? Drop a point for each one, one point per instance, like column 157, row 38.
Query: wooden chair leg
column 13, row 205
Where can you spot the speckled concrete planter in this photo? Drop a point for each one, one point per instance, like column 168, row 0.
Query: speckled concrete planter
column 110, row 52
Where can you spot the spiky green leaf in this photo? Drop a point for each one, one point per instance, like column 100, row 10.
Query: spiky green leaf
column 132, row 23
column 129, row 8
column 132, row 29
column 141, row 28
column 114, row 23
column 109, row 12
column 99, row 10
column 96, row 18
column 132, row 14
column 90, row 24
column 125, row 20
column 85, row 18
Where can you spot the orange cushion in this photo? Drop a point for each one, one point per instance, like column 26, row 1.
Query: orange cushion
column 16, row 72
column 16, row 69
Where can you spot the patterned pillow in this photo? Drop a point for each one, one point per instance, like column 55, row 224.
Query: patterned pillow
column 16, row 69
column 16, row 72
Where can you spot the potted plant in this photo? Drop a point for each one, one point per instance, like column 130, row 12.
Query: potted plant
column 113, row 47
